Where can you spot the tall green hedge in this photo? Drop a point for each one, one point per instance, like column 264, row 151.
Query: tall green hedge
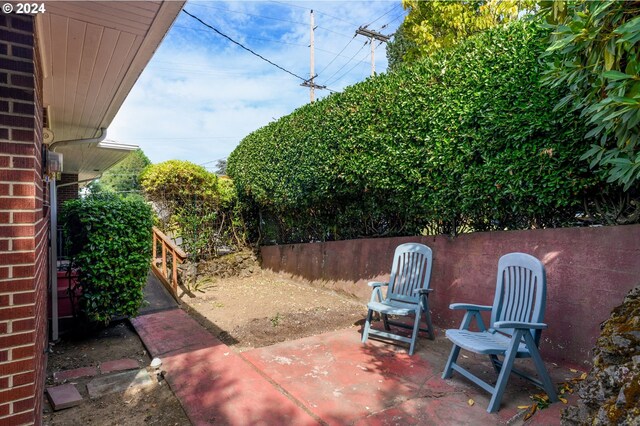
column 464, row 140
column 109, row 241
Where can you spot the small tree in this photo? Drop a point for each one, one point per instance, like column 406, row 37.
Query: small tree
column 195, row 205
column 398, row 47
column 221, row 167
column 434, row 24
column 124, row 177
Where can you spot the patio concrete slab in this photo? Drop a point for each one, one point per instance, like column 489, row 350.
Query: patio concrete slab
column 64, row 396
column 170, row 331
column 118, row 382
column 344, row 382
column 213, row 383
column 330, row 379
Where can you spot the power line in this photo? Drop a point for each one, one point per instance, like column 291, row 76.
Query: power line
column 340, row 69
column 265, row 39
column 335, row 32
column 244, row 47
column 383, row 15
column 351, row 69
column 249, row 37
column 390, row 22
column 284, row 20
column 249, row 14
column 337, row 55
column 212, row 161
column 395, row 18
column 320, row 12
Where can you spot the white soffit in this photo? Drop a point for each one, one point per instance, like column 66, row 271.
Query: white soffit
column 89, row 161
column 92, row 54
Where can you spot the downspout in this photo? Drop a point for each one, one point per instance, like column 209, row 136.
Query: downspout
column 53, row 225
column 79, row 181
column 53, row 262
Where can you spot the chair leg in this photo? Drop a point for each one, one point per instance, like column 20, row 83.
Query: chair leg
column 427, row 318
column 385, row 320
column 424, row 304
column 505, row 371
column 495, row 362
column 367, row 326
column 542, row 370
column 453, row 357
column 414, row 335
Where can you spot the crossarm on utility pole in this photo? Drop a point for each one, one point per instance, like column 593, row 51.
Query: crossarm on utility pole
column 372, row 35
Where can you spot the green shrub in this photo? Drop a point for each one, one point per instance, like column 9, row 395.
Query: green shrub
column 464, row 140
column 109, row 241
column 194, row 205
column 594, row 53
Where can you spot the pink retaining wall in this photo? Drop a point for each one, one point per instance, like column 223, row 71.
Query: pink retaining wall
column 589, row 271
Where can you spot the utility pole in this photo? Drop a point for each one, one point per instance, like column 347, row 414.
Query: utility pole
column 309, row 83
column 373, row 35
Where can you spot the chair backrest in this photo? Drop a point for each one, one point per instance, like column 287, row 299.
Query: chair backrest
column 411, row 270
column 521, row 291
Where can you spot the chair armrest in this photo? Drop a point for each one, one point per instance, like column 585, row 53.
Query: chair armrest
column 376, row 291
column 517, row 324
column 469, row 307
column 423, row 290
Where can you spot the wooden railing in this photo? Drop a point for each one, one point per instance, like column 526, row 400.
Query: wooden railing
column 169, row 253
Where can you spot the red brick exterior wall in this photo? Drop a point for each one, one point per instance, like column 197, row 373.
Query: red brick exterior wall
column 589, row 271
column 24, row 224
column 69, row 192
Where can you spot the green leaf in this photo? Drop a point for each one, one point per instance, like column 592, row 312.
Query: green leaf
column 616, row 75
column 620, row 161
column 630, row 27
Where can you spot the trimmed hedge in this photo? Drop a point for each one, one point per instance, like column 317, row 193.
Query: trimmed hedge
column 109, row 241
column 464, row 140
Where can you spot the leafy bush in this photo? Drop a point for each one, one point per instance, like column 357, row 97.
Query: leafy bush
column 594, row 51
column 109, row 241
column 463, row 140
column 194, row 205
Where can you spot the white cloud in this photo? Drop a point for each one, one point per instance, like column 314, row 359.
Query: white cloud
column 201, row 94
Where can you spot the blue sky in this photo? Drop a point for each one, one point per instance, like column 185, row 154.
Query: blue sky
column 201, row 94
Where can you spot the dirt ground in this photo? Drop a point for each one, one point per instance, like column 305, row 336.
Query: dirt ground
column 243, row 312
column 151, row 405
column 267, row 308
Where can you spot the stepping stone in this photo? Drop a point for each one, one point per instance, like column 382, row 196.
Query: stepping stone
column 63, row 396
column 118, row 382
column 119, row 365
column 61, row 376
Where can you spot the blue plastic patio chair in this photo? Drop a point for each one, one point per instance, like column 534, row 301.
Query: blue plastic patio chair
column 407, row 295
column 514, row 331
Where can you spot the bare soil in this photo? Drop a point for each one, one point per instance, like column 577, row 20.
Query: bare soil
column 244, row 312
column 267, row 308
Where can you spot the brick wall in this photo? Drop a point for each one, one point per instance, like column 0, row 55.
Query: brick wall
column 23, row 226
column 69, row 192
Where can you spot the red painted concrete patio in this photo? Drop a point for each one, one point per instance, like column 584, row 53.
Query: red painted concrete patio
column 329, row 379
